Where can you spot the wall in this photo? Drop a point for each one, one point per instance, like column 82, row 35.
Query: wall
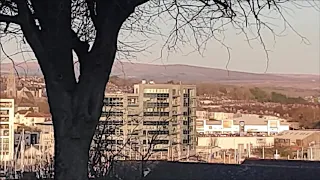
column 29, row 121
column 253, row 128
column 313, row 138
column 233, row 142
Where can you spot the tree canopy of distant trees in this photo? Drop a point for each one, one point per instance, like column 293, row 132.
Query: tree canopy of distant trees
column 308, row 116
column 259, row 94
column 281, row 98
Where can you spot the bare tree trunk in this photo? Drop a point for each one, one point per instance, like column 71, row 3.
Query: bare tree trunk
column 75, row 116
column 71, row 159
column 75, row 106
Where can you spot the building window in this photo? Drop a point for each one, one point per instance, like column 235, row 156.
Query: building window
column 4, row 119
column 4, row 112
column 4, row 126
column 160, row 141
column 174, row 92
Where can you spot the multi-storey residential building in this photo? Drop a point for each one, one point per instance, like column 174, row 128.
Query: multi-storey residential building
column 158, row 114
column 6, row 129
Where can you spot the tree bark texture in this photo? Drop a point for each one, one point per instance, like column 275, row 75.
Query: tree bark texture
column 75, row 106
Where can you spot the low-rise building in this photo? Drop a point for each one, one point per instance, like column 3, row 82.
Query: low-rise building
column 31, row 118
column 300, row 138
column 243, row 143
column 46, row 140
column 243, row 125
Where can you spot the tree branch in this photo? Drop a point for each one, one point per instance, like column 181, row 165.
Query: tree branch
column 80, row 47
column 30, row 30
column 90, row 4
column 10, row 19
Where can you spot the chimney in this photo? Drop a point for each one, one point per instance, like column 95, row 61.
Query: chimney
column 144, row 81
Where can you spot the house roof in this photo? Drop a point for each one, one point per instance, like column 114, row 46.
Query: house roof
column 24, row 102
column 30, row 88
column 45, row 123
column 29, row 95
column 213, row 122
column 295, row 134
column 37, row 114
column 22, row 111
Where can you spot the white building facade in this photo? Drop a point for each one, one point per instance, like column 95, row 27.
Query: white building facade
column 6, row 129
column 236, row 142
column 244, row 124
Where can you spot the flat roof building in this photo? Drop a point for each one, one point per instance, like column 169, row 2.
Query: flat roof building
column 242, row 124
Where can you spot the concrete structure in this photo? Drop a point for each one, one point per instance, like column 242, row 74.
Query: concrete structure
column 300, row 138
column 6, row 129
column 164, row 111
column 242, row 125
column 236, row 142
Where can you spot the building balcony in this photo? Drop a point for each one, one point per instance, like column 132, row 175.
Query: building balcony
column 155, row 113
column 133, row 105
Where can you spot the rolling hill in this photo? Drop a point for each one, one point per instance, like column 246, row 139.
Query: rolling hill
column 189, row 74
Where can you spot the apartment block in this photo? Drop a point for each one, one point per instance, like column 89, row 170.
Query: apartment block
column 6, row 130
column 161, row 116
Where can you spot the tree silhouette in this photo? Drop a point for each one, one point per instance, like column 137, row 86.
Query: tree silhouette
column 60, row 30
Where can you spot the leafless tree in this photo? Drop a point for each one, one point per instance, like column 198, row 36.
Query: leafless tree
column 61, row 31
column 140, row 149
column 110, row 144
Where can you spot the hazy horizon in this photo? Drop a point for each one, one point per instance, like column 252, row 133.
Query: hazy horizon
column 287, row 54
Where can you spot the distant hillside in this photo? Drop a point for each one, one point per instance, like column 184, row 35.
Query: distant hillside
column 190, row 74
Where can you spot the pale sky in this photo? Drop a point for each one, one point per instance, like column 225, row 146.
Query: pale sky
column 288, row 56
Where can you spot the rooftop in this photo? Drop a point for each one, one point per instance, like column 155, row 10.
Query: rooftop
column 22, row 111
column 296, row 134
column 254, row 120
column 249, row 120
column 37, row 114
